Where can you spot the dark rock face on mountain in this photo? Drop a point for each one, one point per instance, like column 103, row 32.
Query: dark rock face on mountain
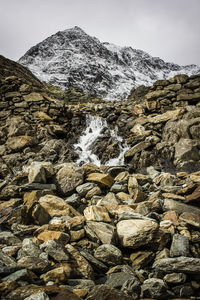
column 77, row 232
column 73, row 58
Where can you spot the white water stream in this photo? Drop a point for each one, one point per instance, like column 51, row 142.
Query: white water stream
column 94, row 129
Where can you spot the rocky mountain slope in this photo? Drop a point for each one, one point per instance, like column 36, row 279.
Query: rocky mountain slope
column 75, row 232
column 73, row 58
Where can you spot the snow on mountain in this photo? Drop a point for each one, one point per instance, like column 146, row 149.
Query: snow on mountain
column 74, row 58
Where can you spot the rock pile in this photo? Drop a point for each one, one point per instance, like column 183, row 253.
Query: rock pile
column 89, row 233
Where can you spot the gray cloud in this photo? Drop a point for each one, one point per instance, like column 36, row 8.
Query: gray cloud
column 168, row 29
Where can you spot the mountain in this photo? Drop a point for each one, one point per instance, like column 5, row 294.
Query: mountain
column 74, row 58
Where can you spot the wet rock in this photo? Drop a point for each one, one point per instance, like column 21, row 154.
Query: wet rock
column 69, row 177
column 96, row 213
column 188, row 265
column 179, row 246
column 103, row 179
column 135, row 233
column 108, row 254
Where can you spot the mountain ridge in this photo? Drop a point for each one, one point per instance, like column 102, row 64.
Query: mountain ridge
column 74, row 58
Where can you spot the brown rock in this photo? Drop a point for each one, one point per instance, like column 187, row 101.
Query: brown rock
column 105, row 232
column 96, row 213
column 69, row 177
column 136, row 233
column 58, row 275
column 56, row 206
column 33, row 263
column 104, row 292
column 19, row 142
column 80, row 267
column 33, row 97
column 53, row 235
column 194, row 197
column 104, row 179
column 109, row 202
column 141, row 258
column 191, row 219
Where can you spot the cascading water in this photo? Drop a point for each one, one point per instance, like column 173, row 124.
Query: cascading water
column 95, row 127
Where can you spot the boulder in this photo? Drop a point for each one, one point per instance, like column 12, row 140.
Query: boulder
column 58, row 275
column 33, row 97
column 137, row 232
column 53, row 235
column 104, row 292
column 179, row 246
column 188, row 265
column 18, row 143
column 100, row 178
column 40, row 171
column 155, row 288
column 68, row 178
column 108, row 254
column 81, row 267
column 96, row 213
column 33, row 263
column 55, row 251
column 105, row 232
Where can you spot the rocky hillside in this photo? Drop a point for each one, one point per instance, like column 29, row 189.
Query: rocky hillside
column 73, row 58
column 11, row 68
column 87, row 232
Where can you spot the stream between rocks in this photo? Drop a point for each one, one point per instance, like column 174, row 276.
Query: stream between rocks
column 98, row 129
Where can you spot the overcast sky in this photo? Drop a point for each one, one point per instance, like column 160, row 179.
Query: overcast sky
column 168, row 29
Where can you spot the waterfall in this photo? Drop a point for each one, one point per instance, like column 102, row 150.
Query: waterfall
column 95, row 128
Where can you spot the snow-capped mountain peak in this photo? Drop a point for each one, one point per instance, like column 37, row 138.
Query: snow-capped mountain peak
column 74, row 58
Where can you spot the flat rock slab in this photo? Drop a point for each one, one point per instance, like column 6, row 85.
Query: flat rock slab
column 103, row 179
column 180, row 264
